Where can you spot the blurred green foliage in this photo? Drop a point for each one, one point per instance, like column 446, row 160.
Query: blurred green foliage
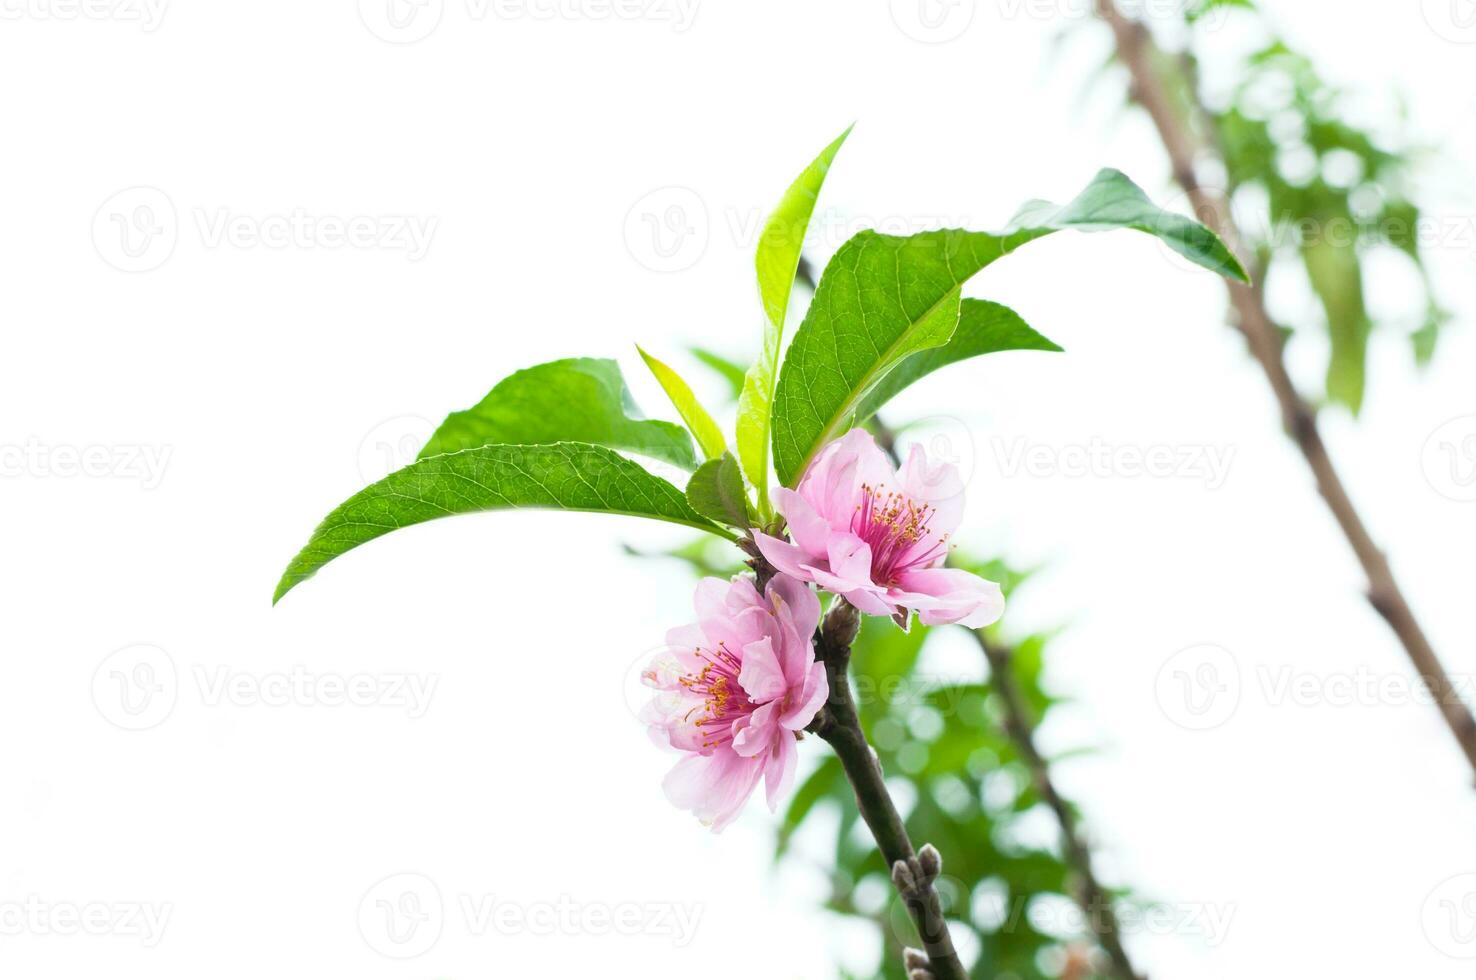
column 962, row 784
column 1316, row 187
column 944, row 738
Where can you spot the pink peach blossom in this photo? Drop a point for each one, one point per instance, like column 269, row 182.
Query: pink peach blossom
column 734, row 690
column 879, row 537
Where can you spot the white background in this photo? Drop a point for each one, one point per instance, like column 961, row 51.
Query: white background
column 272, row 376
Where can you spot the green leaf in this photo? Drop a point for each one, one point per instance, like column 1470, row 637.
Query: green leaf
column 716, row 491
column 563, row 476
column 1425, row 339
column 730, row 371
column 1112, row 202
column 777, row 261
column 579, row 399
column 1337, row 278
column 1203, row 8
column 699, row 423
column 883, row 299
column 882, row 658
column 983, row 328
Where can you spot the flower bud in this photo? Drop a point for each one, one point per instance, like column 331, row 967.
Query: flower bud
column 903, row 878
column 842, row 624
column 930, row 861
column 915, row 959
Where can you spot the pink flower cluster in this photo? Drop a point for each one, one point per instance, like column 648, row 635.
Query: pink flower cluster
column 735, row 690
column 879, row 537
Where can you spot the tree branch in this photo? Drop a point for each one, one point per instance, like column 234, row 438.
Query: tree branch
column 1136, row 48
column 913, row 872
column 1093, row 899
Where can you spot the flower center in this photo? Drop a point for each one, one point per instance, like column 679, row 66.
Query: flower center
column 723, row 698
column 899, row 531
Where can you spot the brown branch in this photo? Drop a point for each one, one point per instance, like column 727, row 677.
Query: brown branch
column 1136, row 48
column 1093, row 899
column 913, row 872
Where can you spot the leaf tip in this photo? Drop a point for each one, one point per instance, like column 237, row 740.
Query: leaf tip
column 291, row 578
column 1237, row 271
column 652, row 362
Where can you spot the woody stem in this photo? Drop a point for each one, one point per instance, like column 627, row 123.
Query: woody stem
column 840, row 726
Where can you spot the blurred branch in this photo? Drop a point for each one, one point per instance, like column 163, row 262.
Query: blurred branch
column 1136, row 48
column 913, row 872
column 1093, row 899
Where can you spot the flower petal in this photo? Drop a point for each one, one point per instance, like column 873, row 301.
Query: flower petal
column 711, row 597
column 808, row 529
column 713, row 787
column 758, row 731
column 950, row 595
column 797, row 609
column 779, row 769
column 850, row 558
column 870, row 599
column 688, row 637
column 789, row 559
column 761, row 675
column 811, row 698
